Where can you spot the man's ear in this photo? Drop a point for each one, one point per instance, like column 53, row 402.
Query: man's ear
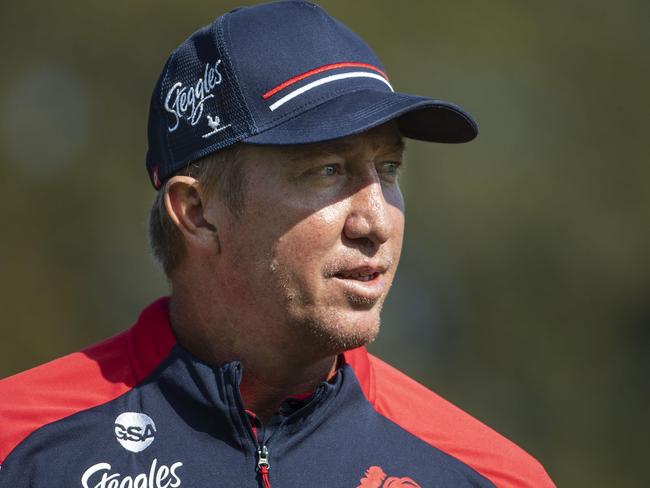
column 186, row 206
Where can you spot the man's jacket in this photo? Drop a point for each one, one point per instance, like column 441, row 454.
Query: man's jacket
column 139, row 411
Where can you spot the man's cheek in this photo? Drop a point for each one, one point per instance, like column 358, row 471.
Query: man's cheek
column 307, row 241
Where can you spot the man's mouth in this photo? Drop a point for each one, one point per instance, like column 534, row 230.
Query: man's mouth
column 359, row 276
column 362, row 273
column 363, row 285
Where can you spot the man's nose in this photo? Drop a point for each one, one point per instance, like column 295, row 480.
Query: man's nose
column 368, row 217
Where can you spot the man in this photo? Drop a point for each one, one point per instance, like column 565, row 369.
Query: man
column 275, row 140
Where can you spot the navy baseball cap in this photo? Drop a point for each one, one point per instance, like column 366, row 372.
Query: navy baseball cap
column 280, row 73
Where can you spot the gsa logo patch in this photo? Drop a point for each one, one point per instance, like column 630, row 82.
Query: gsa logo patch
column 135, row 431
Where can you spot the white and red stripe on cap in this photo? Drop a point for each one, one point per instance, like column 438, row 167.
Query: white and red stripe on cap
column 378, row 75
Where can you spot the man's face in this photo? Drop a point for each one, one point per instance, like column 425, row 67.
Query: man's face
column 313, row 254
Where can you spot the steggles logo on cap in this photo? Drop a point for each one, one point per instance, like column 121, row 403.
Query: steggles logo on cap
column 280, row 73
column 187, row 103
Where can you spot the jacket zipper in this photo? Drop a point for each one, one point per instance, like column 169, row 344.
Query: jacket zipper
column 263, row 464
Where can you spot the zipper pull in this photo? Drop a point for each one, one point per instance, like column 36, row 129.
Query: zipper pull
column 263, row 465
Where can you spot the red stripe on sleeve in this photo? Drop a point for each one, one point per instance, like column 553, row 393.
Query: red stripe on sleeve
column 444, row 426
column 83, row 379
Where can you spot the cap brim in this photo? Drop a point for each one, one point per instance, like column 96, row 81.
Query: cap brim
column 421, row 118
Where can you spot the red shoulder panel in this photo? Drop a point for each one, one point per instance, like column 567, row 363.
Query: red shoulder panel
column 444, row 426
column 84, row 379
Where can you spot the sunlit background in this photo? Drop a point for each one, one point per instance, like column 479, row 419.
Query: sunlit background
column 523, row 291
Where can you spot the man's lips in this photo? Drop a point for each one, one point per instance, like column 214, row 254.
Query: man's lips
column 364, row 282
column 363, row 273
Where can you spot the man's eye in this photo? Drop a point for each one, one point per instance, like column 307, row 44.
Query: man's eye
column 329, row 170
column 390, row 167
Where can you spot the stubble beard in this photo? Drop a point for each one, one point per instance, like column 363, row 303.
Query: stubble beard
column 327, row 329
column 331, row 332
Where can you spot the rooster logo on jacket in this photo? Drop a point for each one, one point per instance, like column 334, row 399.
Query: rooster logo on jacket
column 376, row 478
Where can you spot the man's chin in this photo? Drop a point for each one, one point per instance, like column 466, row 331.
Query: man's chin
column 335, row 336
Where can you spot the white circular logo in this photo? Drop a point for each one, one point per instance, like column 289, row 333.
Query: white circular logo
column 135, row 431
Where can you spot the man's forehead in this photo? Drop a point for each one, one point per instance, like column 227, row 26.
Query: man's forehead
column 382, row 140
column 384, row 143
column 379, row 140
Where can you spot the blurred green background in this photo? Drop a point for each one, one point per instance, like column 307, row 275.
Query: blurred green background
column 523, row 291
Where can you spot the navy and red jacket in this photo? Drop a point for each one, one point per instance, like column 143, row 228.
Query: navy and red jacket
column 139, row 411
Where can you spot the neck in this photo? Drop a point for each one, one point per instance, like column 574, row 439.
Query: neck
column 263, row 394
column 273, row 369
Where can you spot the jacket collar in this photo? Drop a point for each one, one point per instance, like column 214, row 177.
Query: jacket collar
column 151, row 340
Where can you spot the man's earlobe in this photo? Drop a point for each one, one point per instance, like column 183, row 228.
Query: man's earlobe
column 186, row 207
